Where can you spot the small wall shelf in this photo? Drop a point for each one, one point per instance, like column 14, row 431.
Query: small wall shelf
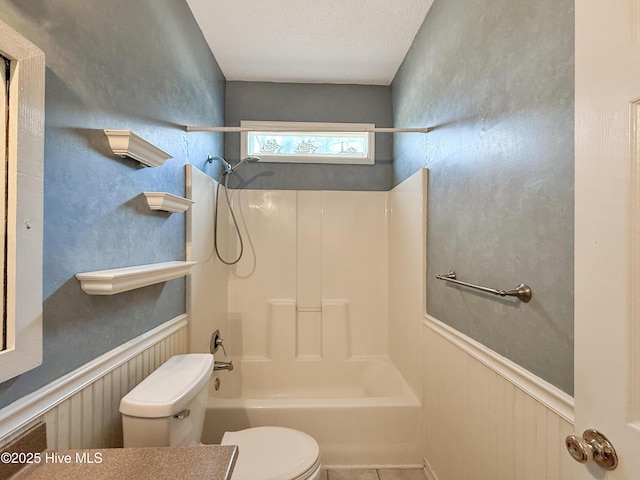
column 117, row 280
column 167, row 202
column 125, row 143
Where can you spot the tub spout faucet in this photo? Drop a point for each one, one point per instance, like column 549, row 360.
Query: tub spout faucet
column 222, row 365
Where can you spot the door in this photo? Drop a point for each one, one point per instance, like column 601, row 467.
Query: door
column 607, row 230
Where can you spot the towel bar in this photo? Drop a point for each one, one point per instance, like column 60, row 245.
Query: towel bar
column 522, row 291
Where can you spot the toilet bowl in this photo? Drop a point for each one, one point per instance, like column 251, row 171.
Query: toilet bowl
column 276, row 453
column 168, row 408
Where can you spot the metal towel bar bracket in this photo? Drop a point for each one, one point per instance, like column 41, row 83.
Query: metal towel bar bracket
column 522, row 291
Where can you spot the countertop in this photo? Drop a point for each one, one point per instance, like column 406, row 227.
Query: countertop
column 214, row 462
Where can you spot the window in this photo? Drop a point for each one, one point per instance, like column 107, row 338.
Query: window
column 22, row 140
column 304, row 142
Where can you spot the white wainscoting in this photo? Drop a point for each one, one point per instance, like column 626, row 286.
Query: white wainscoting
column 81, row 409
column 487, row 418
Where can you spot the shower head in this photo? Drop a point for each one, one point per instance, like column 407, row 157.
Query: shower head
column 250, row 159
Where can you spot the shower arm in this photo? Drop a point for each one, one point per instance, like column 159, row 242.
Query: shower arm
column 228, row 168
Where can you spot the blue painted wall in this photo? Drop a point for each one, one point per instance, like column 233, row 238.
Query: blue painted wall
column 143, row 66
column 289, row 102
column 495, row 77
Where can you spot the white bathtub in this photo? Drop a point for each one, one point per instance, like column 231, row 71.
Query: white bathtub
column 361, row 412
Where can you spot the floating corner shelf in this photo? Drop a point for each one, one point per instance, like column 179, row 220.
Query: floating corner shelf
column 118, row 280
column 167, row 202
column 125, row 143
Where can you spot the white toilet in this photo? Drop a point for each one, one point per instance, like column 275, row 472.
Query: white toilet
column 168, row 407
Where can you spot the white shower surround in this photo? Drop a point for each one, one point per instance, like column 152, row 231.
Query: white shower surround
column 309, row 323
column 312, row 283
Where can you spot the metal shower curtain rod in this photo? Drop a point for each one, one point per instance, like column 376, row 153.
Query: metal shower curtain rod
column 189, row 128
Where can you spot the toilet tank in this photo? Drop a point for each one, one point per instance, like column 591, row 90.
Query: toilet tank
column 168, row 407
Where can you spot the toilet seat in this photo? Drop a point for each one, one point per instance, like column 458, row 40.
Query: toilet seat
column 274, row 453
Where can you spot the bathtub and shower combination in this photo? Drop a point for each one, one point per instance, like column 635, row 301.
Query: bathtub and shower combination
column 360, row 413
column 304, row 317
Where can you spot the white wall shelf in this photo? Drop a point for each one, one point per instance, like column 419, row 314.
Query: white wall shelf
column 125, row 143
column 167, row 202
column 117, row 280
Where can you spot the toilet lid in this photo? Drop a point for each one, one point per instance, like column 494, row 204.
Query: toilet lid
column 273, row 453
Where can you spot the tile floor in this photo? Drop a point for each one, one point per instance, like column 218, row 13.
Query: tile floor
column 382, row 474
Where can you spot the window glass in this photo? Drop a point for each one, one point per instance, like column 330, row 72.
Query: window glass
column 308, row 142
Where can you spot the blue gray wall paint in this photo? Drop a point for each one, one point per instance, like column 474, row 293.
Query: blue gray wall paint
column 310, row 103
column 495, row 76
column 139, row 65
column 496, row 79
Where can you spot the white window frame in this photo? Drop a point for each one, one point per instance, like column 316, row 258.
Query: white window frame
column 4, row 115
column 299, row 128
column 24, row 210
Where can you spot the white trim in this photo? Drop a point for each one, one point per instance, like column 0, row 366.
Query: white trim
column 125, row 143
column 167, row 202
column 32, row 406
column 24, row 209
column 634, row 264
column 118, row 280
column 552, row 397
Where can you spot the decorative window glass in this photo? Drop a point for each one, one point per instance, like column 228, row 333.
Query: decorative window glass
column 303, row 142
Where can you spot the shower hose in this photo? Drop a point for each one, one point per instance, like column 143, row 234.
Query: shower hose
column 225, row 176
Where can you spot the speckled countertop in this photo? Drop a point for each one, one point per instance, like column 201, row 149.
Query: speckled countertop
column 214, row 462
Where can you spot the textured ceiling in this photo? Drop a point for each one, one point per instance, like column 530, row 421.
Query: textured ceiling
column 310, row 41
